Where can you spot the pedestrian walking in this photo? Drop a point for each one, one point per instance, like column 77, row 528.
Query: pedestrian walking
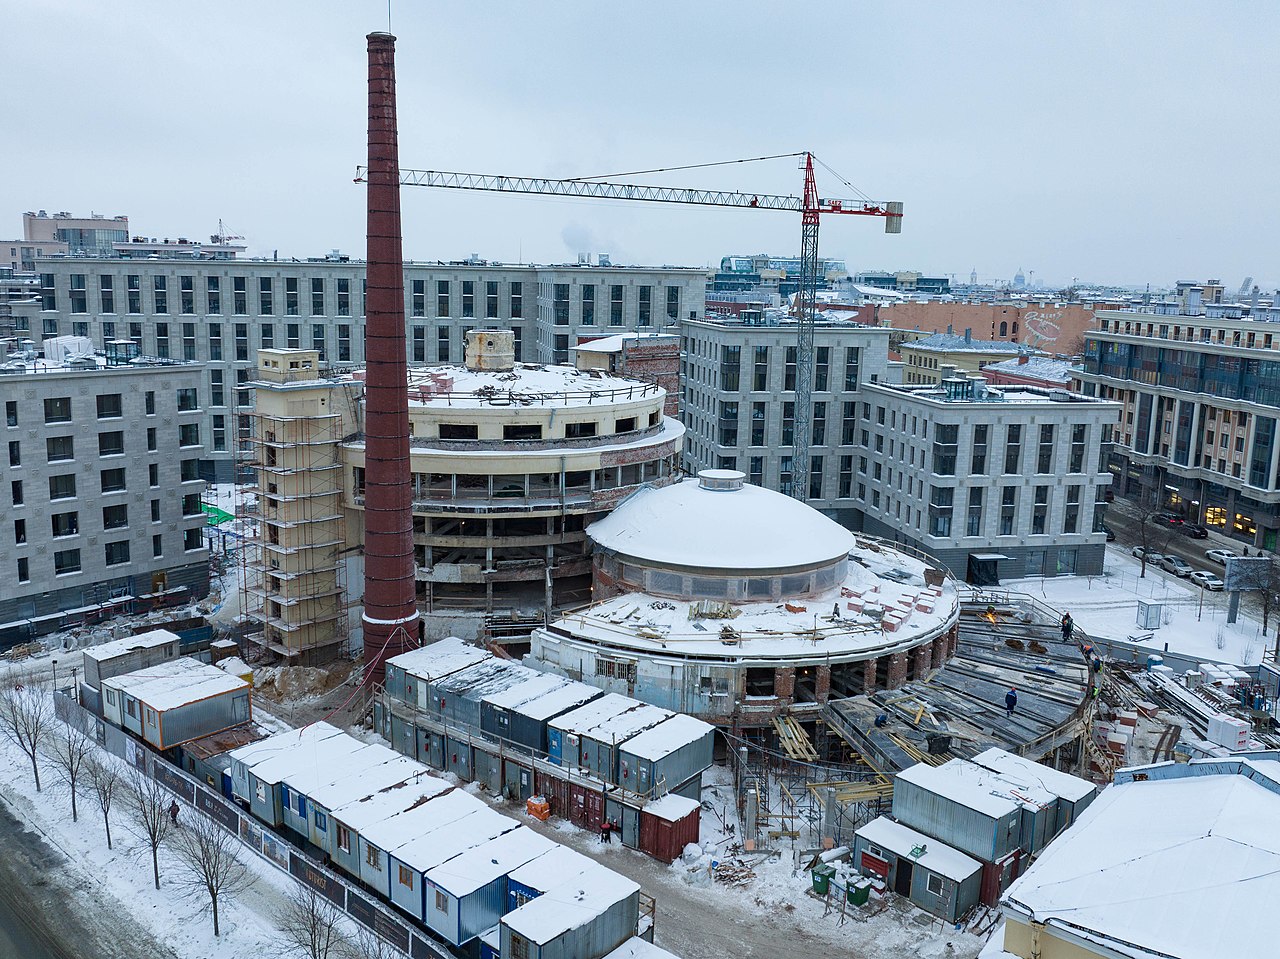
column 606, row 832
column 1010, row 701
column 173, row 812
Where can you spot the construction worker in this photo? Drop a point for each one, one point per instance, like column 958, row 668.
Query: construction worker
column 1066, row 627
column 1010, row 701
column 606, row 832
column 173, row 812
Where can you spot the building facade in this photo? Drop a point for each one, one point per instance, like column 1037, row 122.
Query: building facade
column 220, row 312
column 994, row 482
column 925, row 358
column 1199, row 385
column 102, row 504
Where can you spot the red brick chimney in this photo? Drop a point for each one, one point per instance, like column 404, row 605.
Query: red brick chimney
column 390, row 617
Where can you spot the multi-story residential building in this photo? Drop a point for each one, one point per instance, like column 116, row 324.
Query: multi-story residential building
column 925, row 358
column 1199, row 384
column 904, row 281
column 739, row 377
column 220, row 312
column 101, row 507
column 871, row 437
column 994, row 482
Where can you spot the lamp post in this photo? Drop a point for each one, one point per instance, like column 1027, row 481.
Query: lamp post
column 55, row 675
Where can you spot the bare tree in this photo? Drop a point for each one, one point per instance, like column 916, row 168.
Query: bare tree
column 309, row 924
column 367, row 944
column 212, row 868
column 150, row 821
column 104, row 782
column 70, row 750
column 1151, row 536
column 26, row 715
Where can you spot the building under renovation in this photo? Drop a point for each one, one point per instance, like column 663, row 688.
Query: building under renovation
column 509, row 464
column 734, row 603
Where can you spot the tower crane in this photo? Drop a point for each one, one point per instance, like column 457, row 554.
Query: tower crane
column 809, row 205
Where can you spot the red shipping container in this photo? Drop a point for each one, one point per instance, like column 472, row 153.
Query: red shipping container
column 664, row 838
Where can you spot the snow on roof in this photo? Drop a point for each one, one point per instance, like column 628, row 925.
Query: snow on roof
column 569, row 696
column 1054, row 781
column 440, row 659
column 957, row 342
column 938, row 857
column 1186, row 867
column 360, row 763
column 750, row 528
column 356, row 786
column 671, row 807
column 530, row 688
column 408, row 824
column 592, row 714
column 668, row 736
column 119, row 647
column 425, row 852
column 637, row 948
column 544, row 385
column 387, row 801
column 966, row 784
column 570, row 905
column 284, row 742
column 622, row 726
column 553, row 868
column 178, row 682
column 491, row 676
column 481, row 865
column 328, row 753
column 615, row 343
column 1036, row 367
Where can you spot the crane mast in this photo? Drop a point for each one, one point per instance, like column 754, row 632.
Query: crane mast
column 810, row 206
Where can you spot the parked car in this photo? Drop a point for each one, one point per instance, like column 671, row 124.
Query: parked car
column 1206, row 580
column 1111, row 536
column 1195, row 530
column 1220, row 555
column 1172, row 564
column 1138, row 551
column 1168, row 519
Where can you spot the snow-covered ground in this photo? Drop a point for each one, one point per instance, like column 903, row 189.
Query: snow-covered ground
column 1193, row 622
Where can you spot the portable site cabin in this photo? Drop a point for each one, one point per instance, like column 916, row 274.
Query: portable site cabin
column 637, row 948
column 669, row 824
column 295, row 745
column 209, row 757
column 495, row 708
column 600, row 746
column 349, row 851
column 455, row 700
column 175, row 702
column 377, row 840
column 564, row 732
column 390, row 769
column 128, row 654
column 962, row 811
column 670, row 754
column 588, row 915
column 430, row 845
column 938, row 879
column 553, row 868
column 409, row 675
column 524, row 724
column 468, row 893
column 298, row 811
column 1073, row 793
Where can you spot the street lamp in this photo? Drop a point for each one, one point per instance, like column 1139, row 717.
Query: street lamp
column 55, row 675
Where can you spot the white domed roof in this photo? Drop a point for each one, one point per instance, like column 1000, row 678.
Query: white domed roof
column 720, row 523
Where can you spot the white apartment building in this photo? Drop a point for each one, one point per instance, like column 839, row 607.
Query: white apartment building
column 101, row 504
column 1198, row 381
column 221, row 311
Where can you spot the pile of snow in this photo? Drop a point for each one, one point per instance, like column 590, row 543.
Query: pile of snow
column 292, row 682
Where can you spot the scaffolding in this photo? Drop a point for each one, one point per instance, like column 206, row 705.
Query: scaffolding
column 294, row 596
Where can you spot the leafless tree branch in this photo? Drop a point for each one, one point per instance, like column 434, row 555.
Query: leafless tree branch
column 309, row 923
column 104, row 782
column 26, row 715
column 149, row 820
column 211, row 866
column 70, row 751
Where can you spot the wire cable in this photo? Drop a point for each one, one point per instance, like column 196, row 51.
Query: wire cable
column 691, row 166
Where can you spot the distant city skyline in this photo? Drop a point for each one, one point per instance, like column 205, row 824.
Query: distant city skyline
column 1095, row 141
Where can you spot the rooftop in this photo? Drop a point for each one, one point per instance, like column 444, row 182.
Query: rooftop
column 178, row 682
column 975, row 787
column 570, row 905
column 1053, row 781
column 439, row 659
column 706, row 525
column 1038, row 367
column 525, row 384
column 901, row 841
column 668, row 736
column 616, row 343
column 121, row 647
column 482, row 864
column 1186, row 867
column 961, row 343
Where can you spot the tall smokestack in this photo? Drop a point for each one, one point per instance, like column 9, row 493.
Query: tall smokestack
column 390, row 611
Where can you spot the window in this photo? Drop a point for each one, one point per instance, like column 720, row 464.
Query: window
column 15, row 491
column 442, row 298
column 760, row 375
column 442, row 902
column 757, row 424
column 291, row 337
column 66, row 561
column 1044, row 459
column 150, row 402
column 157, row 545
column 264, row 296
column 728, row 423
column 644, row 315
column 405, row 876
column 79, row 297
column 615, row 304
column 1071, row 516
column 159, row 294
column 317, row 339
column 213, row 295
column 113, row 480
column 239, row 296
column 819, row 425
column 756, row 470
column 344, row 343
column 1078, row 432
column 111, row 444
column 1013, row 449
column 268, row 336
column 24, row 570
column 469, row 298
column 730, row 368
column 935, row 885
column 979, row 462
column 373, row 857
column 788, row 424
column 789, row 371
column 115, row 517
column 517, row 301
column 190, row 471
column 560, row 304
column 344, row 838
column 321, row 820
column 117, row 552
column 19, row 531
column 189, row 434
column 62, row 486
column 1008, row 509
column 519, row 947
column 344, row 297
column 11, row 413
column 442, row 345
column 155, row 511
column 822, row 369
column 419, row 344
column 153, row 475
column 973, row 524
column 57, row 409
column 15, row 453
column 1040, row 510
column 588, row 304
column 851, row 358
column 217, row 395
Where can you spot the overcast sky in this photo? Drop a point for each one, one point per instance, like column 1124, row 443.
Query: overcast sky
column 1122, row 143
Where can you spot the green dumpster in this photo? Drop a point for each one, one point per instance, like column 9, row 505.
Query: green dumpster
column 822, row 879
column 859, row 892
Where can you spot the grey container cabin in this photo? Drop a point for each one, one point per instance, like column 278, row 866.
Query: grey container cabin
column 409, row 676
column 175, row 702
column 667, row 756
column 564, row 732
column 263, row 794
column 599, row 747
column 298, row 811
column 959, row 808
column 588, row 915
column 455, row 700
column 128, row 654
column 553, row 868
column 467, row 894
column 350, row 852
column 938, row 879
column 390, row 771
column 518, row 716
column 1072, row 794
